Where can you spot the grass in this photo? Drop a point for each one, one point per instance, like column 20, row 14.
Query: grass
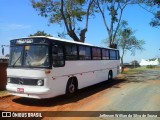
column 140, row 69
column 3, row 93
column 135, row 70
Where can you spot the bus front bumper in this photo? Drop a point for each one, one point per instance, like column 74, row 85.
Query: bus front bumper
column 27, row 91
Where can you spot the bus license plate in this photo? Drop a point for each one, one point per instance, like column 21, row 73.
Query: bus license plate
column 20, row 90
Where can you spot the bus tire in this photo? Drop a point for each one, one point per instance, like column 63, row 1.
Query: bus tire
column 110, row 75
column 71, row 87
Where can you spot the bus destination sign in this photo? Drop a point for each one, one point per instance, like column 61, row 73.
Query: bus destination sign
column 22, row 41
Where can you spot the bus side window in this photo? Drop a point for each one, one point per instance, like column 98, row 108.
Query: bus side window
column 71, row 52
column 84, row 53
column 113, row 55
column 58, row 56
column 105, row 54
column 96, row 53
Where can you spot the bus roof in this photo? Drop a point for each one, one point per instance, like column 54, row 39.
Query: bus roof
column 65, row 40
column 60, row 39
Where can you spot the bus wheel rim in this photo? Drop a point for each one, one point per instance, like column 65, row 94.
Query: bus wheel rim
column 71, row 88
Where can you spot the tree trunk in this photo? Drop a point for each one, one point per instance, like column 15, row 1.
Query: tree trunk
column 82, row 35
column 73, row 35
column 122, row 61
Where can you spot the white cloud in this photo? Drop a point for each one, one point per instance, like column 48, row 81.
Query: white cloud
column 18, row 26
column 8, row 27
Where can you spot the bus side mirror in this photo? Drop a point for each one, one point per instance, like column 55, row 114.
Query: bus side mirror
column 55, row 49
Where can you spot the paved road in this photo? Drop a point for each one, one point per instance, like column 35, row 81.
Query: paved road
column 140, row 92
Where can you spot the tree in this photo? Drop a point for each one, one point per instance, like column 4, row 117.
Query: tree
column 155, row 22
column 70, row 13
column 153, row 6
column 135, row 63
column 113, row 8
column 7, row 55
column 40, row 33
column 126, row 40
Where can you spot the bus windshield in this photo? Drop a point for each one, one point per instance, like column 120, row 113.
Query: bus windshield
column 16, row 56
column 29, row 56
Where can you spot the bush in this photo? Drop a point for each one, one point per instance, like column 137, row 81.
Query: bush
column 150, row 66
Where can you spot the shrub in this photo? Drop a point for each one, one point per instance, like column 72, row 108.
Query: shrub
column 150, row 66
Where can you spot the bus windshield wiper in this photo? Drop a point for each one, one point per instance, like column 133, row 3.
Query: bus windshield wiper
column 17, row 60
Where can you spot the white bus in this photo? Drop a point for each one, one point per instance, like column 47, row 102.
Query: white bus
column 45, row 67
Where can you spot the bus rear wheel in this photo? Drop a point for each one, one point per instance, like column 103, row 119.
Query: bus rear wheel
column 71, row 87
column 110, row 75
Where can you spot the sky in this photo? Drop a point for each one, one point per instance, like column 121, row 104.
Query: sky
column 18, row 19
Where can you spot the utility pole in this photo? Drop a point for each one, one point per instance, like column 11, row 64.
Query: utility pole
column 3, row 48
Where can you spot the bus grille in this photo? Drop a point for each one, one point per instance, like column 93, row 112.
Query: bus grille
column 24, row 81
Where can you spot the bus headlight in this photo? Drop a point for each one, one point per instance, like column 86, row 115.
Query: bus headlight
column 8, row 80
column 40, row 82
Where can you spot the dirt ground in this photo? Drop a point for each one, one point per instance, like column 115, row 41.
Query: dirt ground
column 134, row 92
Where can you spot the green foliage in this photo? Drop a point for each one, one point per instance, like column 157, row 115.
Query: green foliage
column 135, row 62
column 7, row 55
column 69, row 13
column 155, row 22
column 111, row 11
column 153, row 59
column 157, row 2
column 150, row 66
column 154, row 6
column 126, row 40
column 40, row 33
column 135, row 70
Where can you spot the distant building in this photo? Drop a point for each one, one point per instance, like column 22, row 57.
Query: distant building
column 149, row 62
